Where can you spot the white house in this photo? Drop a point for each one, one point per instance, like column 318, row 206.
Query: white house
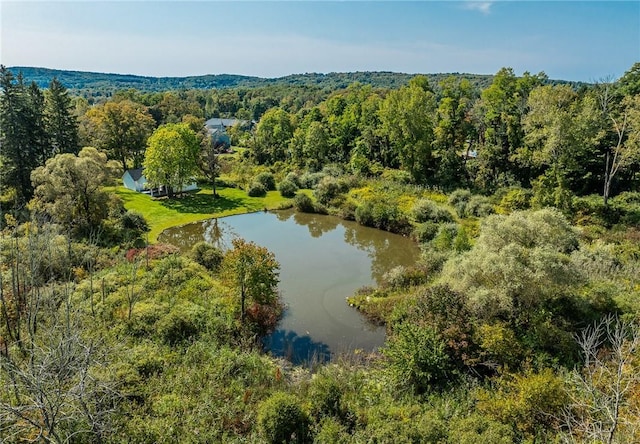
column 134, row 180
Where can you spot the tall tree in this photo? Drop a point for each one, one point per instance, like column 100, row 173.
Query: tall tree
column 408, row 116
column 60, row 121
column 121, row 129
column 625, row 151
column 561, row 135
column 69, row 189
column 172, row 156
column 273, row 134
column 504, row 104
column 454, row 130
column 253, row 271
column 22, row 138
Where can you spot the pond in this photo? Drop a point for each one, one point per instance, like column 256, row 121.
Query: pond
column 323, row 260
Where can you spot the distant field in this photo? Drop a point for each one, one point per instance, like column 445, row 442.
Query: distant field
column 163, row 213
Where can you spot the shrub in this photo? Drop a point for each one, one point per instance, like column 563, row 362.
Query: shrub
column 516, row 199
column 458, row 200
column 267, row 180
column 478, row 428
column 444, row 239
column 399, row 176
column 310, row 180
column 334, row 170
column 426, row 210
column 256, row 189
column 384, row 216
column 287, row 188
column 281, row 419
column 183, row 323
column 328, row 188
column 417, row 357
column 293, row 177
column 331, row 431
column 403, row 277
column 303, row 203
column 132, row 220
column 478, row 206
column 424, row 232
column 207, row 255
column 325, row 396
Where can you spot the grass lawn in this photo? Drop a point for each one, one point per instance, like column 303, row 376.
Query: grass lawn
column 163, row 213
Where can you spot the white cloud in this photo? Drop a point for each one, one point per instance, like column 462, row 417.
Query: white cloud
column 483, row 7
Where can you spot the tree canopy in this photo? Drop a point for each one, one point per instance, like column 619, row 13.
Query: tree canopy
column 172, row 156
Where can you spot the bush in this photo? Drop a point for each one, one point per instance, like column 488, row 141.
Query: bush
column 404, row 277
column 287, row 188
column 183, row 323
column 132, row 220
column 384, row 216
column 417, row 357
column 425, row 210
column 310, row 180
column 281, row 419
column 399, row 176
column 303, row 203
column 444, row 239
column 516, row 199
column 458, row 200
column 266, row 180
column 478, row 206
column 256, row 189
column 207, row 255
column 426, row 231
column 325, row 396
column 293, row 177
column 328, row 188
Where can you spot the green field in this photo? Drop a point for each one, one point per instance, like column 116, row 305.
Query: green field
column 162, row 213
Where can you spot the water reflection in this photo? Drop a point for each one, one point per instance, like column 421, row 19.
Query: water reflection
column 297, row 349
column 317, row 225
column 323, row 260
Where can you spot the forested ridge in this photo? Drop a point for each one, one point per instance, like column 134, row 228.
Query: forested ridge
column 92, row 84
column 519, row 323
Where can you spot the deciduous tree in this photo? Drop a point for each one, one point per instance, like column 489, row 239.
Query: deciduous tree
column 121, row 129
column 253, row 272
column 69, row 189
column 172, row 156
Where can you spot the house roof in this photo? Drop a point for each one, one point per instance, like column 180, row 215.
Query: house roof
column 217, row 122
column 135, row 174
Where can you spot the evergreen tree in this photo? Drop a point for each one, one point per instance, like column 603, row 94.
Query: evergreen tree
column 61, row 123
column 21, row 134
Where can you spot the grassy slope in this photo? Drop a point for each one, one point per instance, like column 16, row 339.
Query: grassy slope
column 164, row 213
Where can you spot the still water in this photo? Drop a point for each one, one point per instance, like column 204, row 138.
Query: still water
column 323, row 260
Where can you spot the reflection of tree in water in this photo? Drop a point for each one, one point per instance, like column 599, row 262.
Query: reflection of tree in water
column 283, row 215
column 384, row 254
column 213, row 231
column 218, row 233
column 182, row 237
column 317, row 224
column 297, row 349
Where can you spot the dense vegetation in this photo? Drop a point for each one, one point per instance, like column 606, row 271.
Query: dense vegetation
column 520, row 323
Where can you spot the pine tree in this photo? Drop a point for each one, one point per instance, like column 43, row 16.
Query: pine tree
column 61, row 123
column 22, row 136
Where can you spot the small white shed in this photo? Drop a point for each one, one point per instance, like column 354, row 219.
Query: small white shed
column 134, row 180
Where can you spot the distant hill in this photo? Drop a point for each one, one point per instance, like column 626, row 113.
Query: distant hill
column 102, row 84
column 81, row 81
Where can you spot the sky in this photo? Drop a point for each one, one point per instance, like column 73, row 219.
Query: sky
column 569, row 40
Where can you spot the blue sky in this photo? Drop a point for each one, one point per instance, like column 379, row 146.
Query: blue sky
column 573, row 40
